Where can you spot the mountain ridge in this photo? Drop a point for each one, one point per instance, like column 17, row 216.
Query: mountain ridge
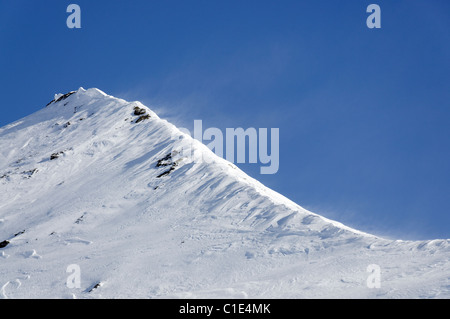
column 84, row 182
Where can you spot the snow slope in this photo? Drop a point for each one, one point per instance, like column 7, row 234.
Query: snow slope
column 83, row 183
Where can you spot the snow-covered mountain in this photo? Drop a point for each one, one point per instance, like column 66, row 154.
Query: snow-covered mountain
column 96, row 186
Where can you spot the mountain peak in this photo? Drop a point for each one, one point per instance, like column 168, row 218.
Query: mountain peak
column 81, row 93
column 105, row 184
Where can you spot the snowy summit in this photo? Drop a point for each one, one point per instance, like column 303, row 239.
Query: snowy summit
column 98, row 200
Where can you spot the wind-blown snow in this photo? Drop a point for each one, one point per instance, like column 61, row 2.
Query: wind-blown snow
column 80, row 184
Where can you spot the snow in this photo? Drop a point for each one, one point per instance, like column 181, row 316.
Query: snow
column 203, row 230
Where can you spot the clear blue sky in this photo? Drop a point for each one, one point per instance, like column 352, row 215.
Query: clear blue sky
column 364, row 114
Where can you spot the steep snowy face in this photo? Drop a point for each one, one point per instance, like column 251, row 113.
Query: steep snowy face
column 135, row 208
column 87, row 141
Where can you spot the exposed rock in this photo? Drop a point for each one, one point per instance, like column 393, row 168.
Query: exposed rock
column 19, row 233
column 142, row 118
column 60, row 98
column 165, row 161
column 30, row 173
column 55, row 155
column 167, row 172
column 139, row 111
column 4, row 243
column 97, row 285
column 80, row 219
